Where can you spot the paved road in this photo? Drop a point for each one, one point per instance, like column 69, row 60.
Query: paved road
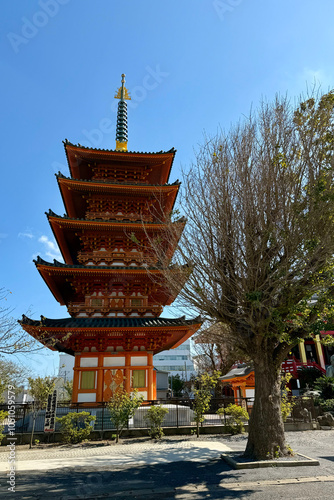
column 174, row 469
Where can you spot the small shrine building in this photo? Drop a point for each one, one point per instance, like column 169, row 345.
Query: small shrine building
column 111, row 283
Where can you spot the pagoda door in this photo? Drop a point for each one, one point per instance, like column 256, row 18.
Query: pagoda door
column 113, row 380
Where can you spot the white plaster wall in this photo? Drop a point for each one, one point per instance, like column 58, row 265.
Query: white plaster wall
column 89, row 362
column 88, row 397
column 114, row 361
column 138, row 360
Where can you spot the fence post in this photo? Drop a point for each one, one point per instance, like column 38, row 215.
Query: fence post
column 23, row 421
column 224, row 413
column 177, row 414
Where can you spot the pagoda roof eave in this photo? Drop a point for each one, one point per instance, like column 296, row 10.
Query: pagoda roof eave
column 63, row 228
column 67, row 143
column 63, row 334
column 72, row 191
column 39, row 262
column 119, row 323
column 58, row 277
column 107, row 223
column 119, row 185
column 110, row 153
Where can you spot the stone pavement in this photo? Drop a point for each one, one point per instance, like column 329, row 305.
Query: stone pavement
column 145, row 452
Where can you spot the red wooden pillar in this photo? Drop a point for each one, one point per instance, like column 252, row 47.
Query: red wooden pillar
column 99, row 385
column 150, row 381
column 76, row 378
column 127, row 372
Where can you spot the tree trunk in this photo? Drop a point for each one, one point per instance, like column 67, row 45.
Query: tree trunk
column 197, row 428
column 266, row 437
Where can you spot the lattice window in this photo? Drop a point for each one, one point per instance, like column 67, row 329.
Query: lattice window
column 87, row 380
column 138, row 379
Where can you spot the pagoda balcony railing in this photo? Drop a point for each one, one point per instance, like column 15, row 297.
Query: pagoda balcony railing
column 99, row 256
column 129, row 177
column 76, row 309
column 292, row 366
column 119, row 217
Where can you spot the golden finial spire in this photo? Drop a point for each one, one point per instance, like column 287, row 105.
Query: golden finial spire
column 122, row 118
column 123, row 93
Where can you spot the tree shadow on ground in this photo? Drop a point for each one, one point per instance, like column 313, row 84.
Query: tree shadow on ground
column 328, row 458
column 131, row 482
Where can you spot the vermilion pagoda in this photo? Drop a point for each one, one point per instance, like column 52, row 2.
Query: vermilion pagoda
column 111, row 284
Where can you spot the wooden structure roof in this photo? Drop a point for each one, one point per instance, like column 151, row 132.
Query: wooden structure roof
column 83, row 162
column 71, row 282
column 72, row 335
column 75, row 193
column 69, row 232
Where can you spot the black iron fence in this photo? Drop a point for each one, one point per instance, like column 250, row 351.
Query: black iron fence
column 180, row 413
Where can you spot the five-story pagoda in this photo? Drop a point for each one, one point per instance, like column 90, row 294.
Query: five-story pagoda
column 111, row 284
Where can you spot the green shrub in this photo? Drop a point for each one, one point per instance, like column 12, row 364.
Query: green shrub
column 325, row 385
column 154, row 417
column 3, row 416
column 326, row 405
column 287, row 401
column 122, row 407
column 204, row 383
column 237, row 415
column 75, row 427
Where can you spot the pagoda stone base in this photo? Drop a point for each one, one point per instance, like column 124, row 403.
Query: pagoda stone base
column 98, row 375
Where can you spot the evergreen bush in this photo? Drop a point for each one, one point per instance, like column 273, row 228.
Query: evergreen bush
column 237, row 415
column 75, row 427
column 3, row 416
column 154, row 417
column 122, row 407
column 325, row 385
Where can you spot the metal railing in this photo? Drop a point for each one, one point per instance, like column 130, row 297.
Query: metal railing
column 180, row 413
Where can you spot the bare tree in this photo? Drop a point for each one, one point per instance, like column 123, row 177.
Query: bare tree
column 215, row 351
column 13, row 340
column 14, row 374
column 256, row 254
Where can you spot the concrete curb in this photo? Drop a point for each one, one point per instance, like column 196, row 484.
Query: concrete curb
column 268, row 463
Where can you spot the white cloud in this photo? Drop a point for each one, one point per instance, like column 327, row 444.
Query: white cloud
column 26, row 234
column 51, row 248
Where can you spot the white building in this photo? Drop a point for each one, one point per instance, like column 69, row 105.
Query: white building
column 66, row 364
column 176, row 361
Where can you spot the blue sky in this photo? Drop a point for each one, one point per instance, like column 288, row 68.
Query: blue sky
column 191, row 66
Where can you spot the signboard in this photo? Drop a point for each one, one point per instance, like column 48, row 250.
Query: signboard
column 50, row 412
